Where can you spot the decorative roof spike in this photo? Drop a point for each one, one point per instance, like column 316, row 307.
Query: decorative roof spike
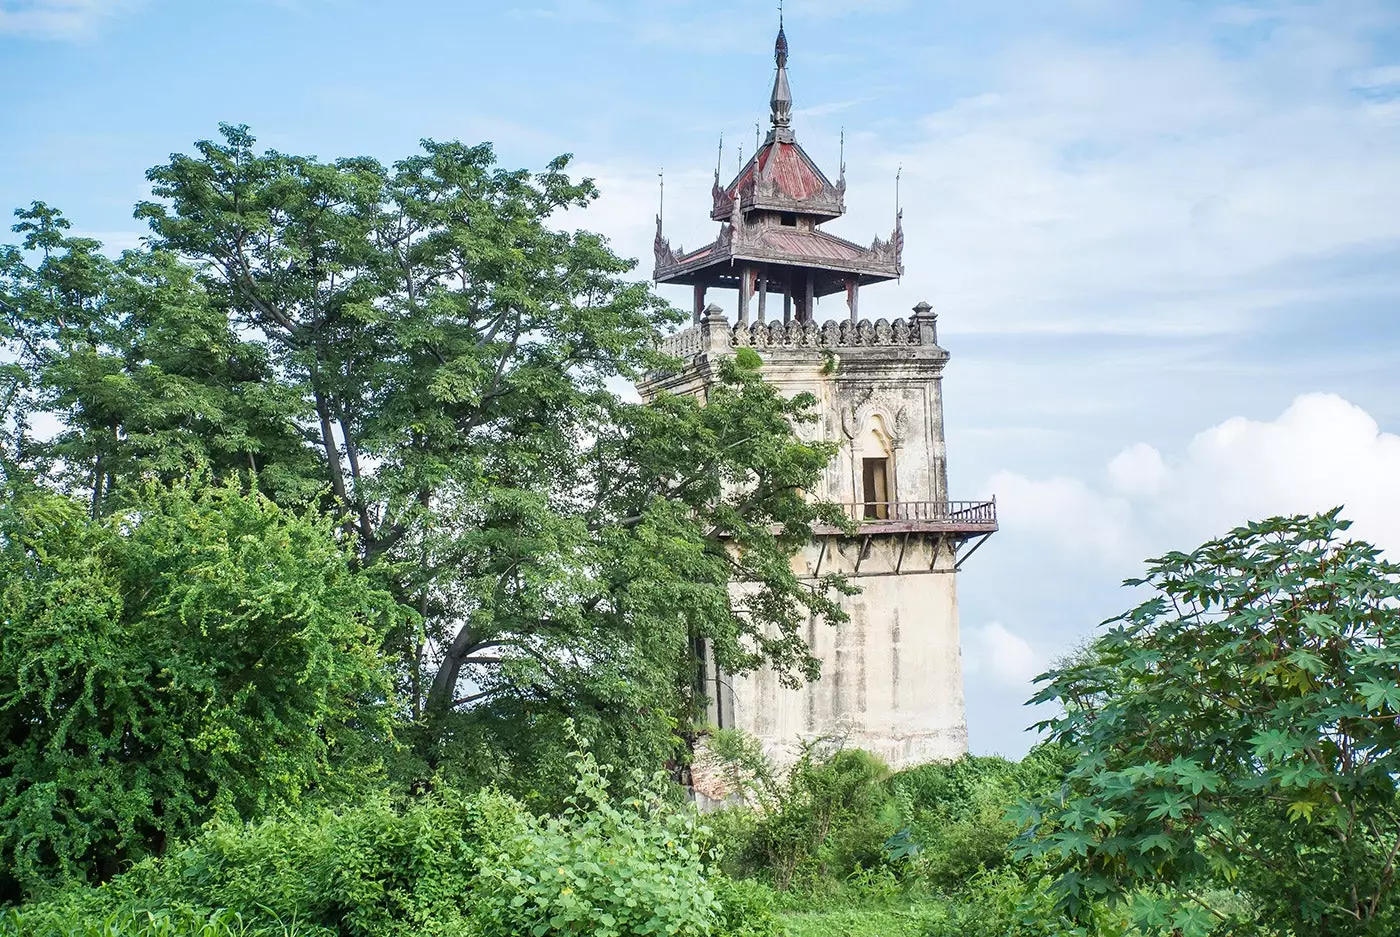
column 782, row 94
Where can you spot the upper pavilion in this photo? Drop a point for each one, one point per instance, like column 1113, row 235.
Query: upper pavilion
column 770, row 238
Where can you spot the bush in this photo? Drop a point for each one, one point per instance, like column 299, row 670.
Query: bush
column 177, row 923
column 203, row 652
column 825, row 817
column 1010, row 902
column 445, row 864
column 377, row 870
column 954, row 815
column 600, row 869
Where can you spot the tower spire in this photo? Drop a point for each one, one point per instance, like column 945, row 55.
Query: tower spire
column 781, row 100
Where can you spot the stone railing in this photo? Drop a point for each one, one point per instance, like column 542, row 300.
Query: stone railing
column 714, row 334
column 682, row 344
column 829, row 334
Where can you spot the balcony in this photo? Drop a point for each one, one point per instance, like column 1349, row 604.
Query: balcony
column 958, row 518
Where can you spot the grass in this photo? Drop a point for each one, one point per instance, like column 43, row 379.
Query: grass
column 908, row 919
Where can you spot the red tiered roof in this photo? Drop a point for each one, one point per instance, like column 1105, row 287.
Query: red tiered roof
column 796, row 175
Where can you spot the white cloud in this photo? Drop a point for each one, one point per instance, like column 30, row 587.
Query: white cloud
column 1066, row 511
column 995, row 653
column 1171, row 188
column 1157, row 190
column 1138, row 470
column 1319, row 453
column 58, row 19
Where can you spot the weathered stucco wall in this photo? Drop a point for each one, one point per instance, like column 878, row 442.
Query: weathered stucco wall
column 891, row 676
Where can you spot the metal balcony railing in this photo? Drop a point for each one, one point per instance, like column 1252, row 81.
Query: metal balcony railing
column 970, row 517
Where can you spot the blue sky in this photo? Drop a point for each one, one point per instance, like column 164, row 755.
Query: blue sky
column 1163, row 237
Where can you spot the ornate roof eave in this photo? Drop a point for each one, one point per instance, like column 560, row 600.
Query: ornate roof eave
column 881, row 260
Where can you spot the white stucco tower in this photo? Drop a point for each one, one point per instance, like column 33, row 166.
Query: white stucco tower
column 892, row 675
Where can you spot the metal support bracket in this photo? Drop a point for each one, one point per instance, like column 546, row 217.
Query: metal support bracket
column 937, row 549
column 860, row 555
column 958, row 565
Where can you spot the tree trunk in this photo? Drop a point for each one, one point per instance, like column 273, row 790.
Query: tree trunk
column 323, row 411
column 444, row 688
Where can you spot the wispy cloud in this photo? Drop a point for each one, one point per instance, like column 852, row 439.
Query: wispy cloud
column 59, row 19
column 1100, row 188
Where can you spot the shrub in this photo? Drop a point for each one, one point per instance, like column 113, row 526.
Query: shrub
column 748, row 908
column 204, row 652
column 954, row 815
column 444, row 864
column 825, row 817
column 600, row 869
column 1237, row 730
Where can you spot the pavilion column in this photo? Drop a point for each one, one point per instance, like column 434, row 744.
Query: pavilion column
column 763, row 297
column 745, row 294
column 699, row 302
column 809, row 310
column 853, row 299
column 787, row 300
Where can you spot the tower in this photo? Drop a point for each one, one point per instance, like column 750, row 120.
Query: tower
column 892, row 675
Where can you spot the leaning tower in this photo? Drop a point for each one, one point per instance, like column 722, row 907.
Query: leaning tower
column 891, row 678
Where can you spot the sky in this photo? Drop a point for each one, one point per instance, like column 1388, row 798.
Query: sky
column 1163, row 237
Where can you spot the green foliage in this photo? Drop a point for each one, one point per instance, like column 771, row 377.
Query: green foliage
column 600, row 868
column 146, row 374
column 177, row 923
column 953, row 815
column 828, row 815
column 443, row 864
column 1237, row 732
column 747, row 908
column 423, row 352
column 202, row 652
column 375, row 870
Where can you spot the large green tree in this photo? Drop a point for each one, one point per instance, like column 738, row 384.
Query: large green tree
column 1238, row 741
column 144, row 375
column 201, row 651
column 423, row 344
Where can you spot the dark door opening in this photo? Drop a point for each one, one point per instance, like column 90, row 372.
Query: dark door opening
column 877, row 488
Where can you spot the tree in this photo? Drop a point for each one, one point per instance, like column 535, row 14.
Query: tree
column 146, row 377
column 443, row 363
column 1239, row 731
column 203, row 652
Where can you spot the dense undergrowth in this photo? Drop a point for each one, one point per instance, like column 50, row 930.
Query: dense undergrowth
column 441, row 864
column 837, row 844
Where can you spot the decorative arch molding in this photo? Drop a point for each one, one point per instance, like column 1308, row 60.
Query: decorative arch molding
column 874, row 415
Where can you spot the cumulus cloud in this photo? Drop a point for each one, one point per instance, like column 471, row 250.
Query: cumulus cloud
column 58, row 19
column 1138, row 470
column 1321, row 452
column 994, row 653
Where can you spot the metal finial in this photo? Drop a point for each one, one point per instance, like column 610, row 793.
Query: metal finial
column 841, row 161
column 719, row 159
column 781, row 99
column 755, row 136
column 897, row 171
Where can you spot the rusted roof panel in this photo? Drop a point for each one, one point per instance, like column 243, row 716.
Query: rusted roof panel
column 811, row 244
column 796, row 175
